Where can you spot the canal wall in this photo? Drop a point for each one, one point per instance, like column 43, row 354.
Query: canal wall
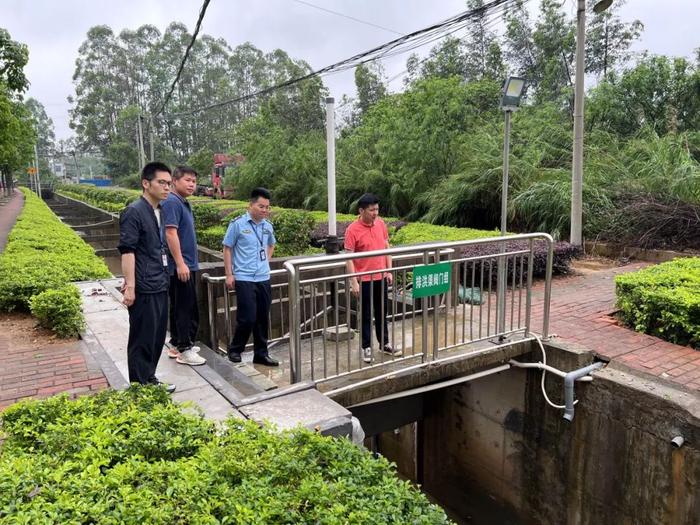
column 494, row 447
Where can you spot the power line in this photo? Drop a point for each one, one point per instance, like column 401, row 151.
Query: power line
column 347, row 16
column 184, row 58
column 415, row 39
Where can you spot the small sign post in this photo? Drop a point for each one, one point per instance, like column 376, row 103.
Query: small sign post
column 432, row 279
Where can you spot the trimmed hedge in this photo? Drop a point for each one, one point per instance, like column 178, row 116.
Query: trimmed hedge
column 112, row 200
column 44, row 254
column 59, row 309
column 663, row 300
column 295, row 237
column 135, row 457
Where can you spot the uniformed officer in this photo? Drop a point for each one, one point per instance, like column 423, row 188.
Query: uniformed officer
column 248, row 246
column 145, row 267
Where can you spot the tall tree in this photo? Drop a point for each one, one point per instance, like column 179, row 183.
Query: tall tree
column 483, row 56
column 13, row 57
column 369, row 82
column 608, row 39
column 43, row 127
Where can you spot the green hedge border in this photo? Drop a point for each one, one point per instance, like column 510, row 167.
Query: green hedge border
column 44, row 254
column 663, row 300
column 134, row 456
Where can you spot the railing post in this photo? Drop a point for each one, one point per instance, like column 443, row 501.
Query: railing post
column 227, row 315
column 436, row 314
column 425, row 303
column 528, row 293
column 294, row 334
column 211, row 303
column 547, row 288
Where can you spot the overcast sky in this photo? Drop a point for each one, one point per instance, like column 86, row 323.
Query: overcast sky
column 54, row 30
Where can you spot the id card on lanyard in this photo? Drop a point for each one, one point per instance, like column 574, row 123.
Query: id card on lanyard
column 163, row 252
column 262, row 254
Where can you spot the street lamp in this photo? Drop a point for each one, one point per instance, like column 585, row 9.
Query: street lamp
column 512, row 94
column 576, row 236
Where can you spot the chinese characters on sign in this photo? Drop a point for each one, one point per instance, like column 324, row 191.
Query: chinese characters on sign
column 432, row 279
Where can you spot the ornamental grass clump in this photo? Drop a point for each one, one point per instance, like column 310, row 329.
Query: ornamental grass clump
column 135, row 457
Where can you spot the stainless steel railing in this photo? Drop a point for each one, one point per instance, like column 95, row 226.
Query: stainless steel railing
column 314, row 311
column 470, row 310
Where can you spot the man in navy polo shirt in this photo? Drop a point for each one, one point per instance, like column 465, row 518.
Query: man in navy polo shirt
column 183, row 263
column 145, row 268
column 248, row 246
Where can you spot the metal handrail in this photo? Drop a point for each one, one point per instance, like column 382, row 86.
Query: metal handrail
column 429, row 251
column 321, row 304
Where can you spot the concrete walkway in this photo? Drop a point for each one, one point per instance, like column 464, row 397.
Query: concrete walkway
column 582, row 312
column 10, row 208
column 106, row 335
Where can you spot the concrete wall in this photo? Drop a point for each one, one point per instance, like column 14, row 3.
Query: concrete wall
column 492, row 449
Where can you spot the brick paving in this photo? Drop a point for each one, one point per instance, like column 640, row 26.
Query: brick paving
column 581, row 311
column 34, row 364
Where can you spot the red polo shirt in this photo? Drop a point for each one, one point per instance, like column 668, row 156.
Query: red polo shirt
column 360, row 237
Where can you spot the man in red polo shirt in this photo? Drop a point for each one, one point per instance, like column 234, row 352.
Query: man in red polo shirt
column 369, row 233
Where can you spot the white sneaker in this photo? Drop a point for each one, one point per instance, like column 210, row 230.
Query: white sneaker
column 190, row 357
column 173, row 352
column 195, row 349
column 367, row 355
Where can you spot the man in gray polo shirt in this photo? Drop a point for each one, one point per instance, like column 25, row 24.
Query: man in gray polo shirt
column 183, row 266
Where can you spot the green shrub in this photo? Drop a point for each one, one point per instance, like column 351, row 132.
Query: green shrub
column 212, row 237
column 292, row 231
column 663, row 300
column 205, row 215
column 418, row 232
column 44, row 254
column 59, row 309
column 135, row 457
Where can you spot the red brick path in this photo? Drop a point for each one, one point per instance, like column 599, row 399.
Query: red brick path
column 43, row 372
column 580, row 313
column 55, row 367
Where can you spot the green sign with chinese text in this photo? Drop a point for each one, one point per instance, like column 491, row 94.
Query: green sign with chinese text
column 432, row 279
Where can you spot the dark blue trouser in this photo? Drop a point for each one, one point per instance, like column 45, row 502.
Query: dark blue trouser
column 253, row 308
column 184, row 312
column 148, row 322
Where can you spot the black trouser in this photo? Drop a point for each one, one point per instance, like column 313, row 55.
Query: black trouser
column 374, row 301
column 148, row 322
column 184, row 312
column 253, row 301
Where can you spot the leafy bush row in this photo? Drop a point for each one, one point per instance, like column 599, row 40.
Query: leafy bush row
column 112, row 200
column 135, row 457
column 42, row 255
column 663, row 300
column 299, row 232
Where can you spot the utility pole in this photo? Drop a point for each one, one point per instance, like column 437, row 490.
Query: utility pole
column 150, row 137
column 332, row 240
column 77, row 168
column 576, row 236
column 577, row 165
column 36, row 172
column 139, row 142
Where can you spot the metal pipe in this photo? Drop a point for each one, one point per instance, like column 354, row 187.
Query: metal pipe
column 548, row 368
column 211, row 301
column 569, row 387
column 434, row 386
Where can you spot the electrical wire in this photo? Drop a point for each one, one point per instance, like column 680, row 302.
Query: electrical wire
column 202, row 11
column 347, row 16
column 397, row 46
